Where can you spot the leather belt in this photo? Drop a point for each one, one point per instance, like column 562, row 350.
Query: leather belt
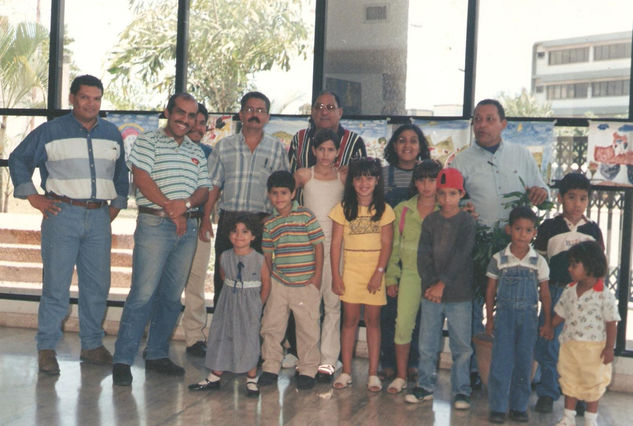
column 84, row 204
column 163, row 213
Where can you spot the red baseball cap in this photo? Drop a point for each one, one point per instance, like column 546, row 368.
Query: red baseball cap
column 450, row 178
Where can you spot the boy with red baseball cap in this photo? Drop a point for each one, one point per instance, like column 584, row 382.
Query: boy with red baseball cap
column 446, row 267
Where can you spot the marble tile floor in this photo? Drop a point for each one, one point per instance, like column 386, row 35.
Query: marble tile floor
column 84, row 395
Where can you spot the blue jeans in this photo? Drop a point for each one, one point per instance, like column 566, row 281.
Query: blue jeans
column 161, row 264
column 82, row 237
column 546, row 353
column 515, row 334
column 459, row 317
column 478, row 327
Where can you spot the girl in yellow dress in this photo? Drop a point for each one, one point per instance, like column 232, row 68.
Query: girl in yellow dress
column 362, row 224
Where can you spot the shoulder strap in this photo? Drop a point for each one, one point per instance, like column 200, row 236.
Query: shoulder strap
column 402, row 215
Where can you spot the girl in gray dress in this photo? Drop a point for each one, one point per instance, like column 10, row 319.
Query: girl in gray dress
column 233, row 343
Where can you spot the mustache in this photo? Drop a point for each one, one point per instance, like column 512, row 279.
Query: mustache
column 254, row 119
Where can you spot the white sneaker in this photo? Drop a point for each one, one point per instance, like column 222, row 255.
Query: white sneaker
column 289, row 361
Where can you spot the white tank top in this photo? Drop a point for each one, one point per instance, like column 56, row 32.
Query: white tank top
column 320, row 196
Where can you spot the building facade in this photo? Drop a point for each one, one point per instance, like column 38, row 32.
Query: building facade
column 584, row 75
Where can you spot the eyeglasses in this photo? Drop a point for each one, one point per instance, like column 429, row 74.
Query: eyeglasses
column 322, row 107
column 251, row 110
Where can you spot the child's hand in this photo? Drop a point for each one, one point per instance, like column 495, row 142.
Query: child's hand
column 607, row 355
column 338, row 287
column 315, row 281
column 374, row 282
column 547, row 331
column 392, row 290
column 435, row 292
column 490, row 326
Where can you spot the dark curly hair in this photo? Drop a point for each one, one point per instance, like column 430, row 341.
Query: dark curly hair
column 390, row 152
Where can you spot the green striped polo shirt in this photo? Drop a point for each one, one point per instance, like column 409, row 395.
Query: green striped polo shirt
column 291, row 239
column 177, row 170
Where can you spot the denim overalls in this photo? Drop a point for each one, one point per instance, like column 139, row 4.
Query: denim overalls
column 515, row 333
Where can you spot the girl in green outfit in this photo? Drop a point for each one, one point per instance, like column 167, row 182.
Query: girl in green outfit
column 402, row 277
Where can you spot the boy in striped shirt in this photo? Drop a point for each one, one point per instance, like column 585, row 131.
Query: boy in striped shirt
column 293, row 247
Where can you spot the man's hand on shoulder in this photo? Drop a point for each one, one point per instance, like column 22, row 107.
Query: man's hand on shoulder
column 537, row 195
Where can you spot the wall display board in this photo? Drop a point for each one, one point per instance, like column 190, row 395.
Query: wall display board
column 609, row 153
column 445, row 138
column 538, row 137
column 284, row 128
column 375, row 134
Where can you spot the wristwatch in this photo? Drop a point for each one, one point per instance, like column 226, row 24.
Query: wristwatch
column 188, row 204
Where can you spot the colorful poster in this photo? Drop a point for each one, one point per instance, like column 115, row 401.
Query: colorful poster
column 375, row 134
column 218, row 127
column 445, row 138
column 609, row 153
column 538, row 137
column 131, row 125
column 284, row 128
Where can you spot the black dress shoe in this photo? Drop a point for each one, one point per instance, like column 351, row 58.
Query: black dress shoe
column 324, row 377
column 205, row 385
column 198, row 349
column 121, row 375
column 164, row 366
column 519, row 416
column 544, row 404
column 497, row 417
column 305, row 382
column 475, row 381
column 266, row 379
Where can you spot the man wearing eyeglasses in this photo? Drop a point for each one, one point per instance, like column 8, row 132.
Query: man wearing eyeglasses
column 194, row 317
column 326, row 114
column 239, row 167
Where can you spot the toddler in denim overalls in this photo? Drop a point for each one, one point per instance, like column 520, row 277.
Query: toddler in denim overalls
column 514, row 277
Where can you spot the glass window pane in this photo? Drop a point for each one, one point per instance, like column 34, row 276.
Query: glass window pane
column 129, row 45
column 523, row 45
column 392, row 65
column 24, row 30
column 269, row 49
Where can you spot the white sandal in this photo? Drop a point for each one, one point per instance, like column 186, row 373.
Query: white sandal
column 374, row 384
column 342, row 381
column 397, row 385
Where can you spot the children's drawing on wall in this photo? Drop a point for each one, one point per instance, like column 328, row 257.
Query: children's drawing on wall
column 131, row 125
column 609, row 153
column 284, row 128
column 537, row 137
column 218, row 127
column 445, row 138
column 375, row 134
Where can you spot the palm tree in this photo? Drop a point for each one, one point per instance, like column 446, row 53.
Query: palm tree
column 23, row 77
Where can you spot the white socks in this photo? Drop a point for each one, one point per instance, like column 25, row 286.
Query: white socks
column 591, row 419
column 213, row 378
